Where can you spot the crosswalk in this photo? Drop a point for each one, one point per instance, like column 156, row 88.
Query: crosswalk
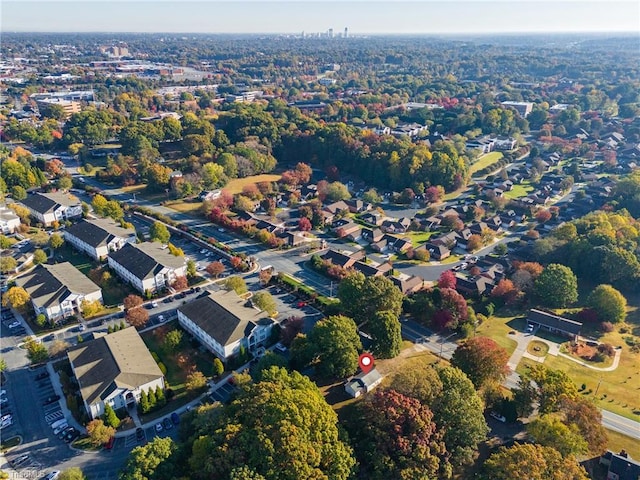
column 52, row 417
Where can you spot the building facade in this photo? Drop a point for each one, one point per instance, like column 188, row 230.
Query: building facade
column 98, row 237
column 47, row 208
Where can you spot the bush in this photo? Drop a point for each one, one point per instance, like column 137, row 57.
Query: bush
column 606, row 327
column 41, row 320
column 162, row 368
column 606, row 349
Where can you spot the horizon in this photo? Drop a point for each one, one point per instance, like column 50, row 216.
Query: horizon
column 274, row 17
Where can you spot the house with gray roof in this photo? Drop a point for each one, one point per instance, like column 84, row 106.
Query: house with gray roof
column 554, row 323
column 51, row 207
column 99, row 236
column 223, row 322
column 147, row 266
column 9, row 221
column 113, row 370
column 363, row 383
column 57, row 291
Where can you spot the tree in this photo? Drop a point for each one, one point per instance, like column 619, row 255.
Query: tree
column 18, row 193
column 99, row 433
column 337, row 191
column 543, row 215
column 137, row 317
column 421, row 383
column 609, row 304
column 58, row 347
column 180, row 283
column 396, row 437
column 215, row 269
column 501, row 249
column 15, row 297
column 151, row 461
column 213, row 176
column 90, row 308
column 132, row 301
column 99, row 204
column 371, row 196
column 504, row 289
column 474, row 242
column 73, row 473
column 304, row 224
column 362, row 297
column 110, row 418
column 3, row 364
column 172, row 340
column 56, row 241
column 40, row 256
column 552, row 432
column 8, row 264
column 385, row 330
column 267, row 361
column 218, row 367
column 482, row 359
column 533, row 462
column 586, row 417
column 333, row 345
column 556, row 286
column 551, row 386
column 191, row 268
column 447, row 280
column 459, row 412
column 175, row 251
column 41, row 320
column 237, row 284
column 36, row 351
column 265, row 302
column 159, row 233
column 265, row 276
column 195, row 380
column 65, row 183
column 283, row 417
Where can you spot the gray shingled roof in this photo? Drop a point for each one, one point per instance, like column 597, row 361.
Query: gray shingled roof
column 44, row 202
column 555, row 322
column 224, row 316
column 118, row 360
column 99, row 231
column 145, row 260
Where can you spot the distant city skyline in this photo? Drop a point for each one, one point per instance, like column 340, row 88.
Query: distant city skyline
column 359, row 16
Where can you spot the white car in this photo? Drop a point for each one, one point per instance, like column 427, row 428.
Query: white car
column 200, row 268
column 52, row 476
column 161, row 318
column 15, row 324
column 498, row 417
column 159, row 427
column 529, row 328
column 203, row 251
column 280, row 348
column 6, row 421
column 154, row 304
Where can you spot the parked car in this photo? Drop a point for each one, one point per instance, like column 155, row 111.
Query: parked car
column 52, row 475
column 166, row 423
column 154, row 304
column 62, row 434
column 71, row 435
column 498, row 417
column 175, row 418
column 19, row 460
column 15, row 324
column 139, row 434
column 529, row 328
column 301, row 304
column 41, row 375
column 51, row 399
column 280, row 348
column 159, row 427
column 60, row 428
column 161, row 318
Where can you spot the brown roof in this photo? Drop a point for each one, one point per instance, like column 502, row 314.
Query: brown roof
column 120, row 360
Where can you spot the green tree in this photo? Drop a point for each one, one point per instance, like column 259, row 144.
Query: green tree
column 551, row 386
column 159, row 233
column 172, row 340
column 337, row 191
column 213, row 176
column 265, row 302
column 99, row 433
column 160, row 398
column 283, row 417
column 3, row 364
column 533, row 462
column 609, row 304
column 482, row 359
column 236, row 284
column 334, row 344
column 99, row 204
column 40, row 256
column 268, row 360
column 65, row 183
column 371, row 196
column 195, row 381
column 73, row 473
column 218, row 367
column 41, row 320
column 245, row 473
column 144, row 401
column 18, row 193
column 110, row 418
column 151, row 396
column 6, row 242
column 8, row 264
column 56, row 241
column 151, row 461
column 552, row 432
column 362, row 297
column 459, row 412
column 421, row 383
column 385, row 330
column 556, row 286
column 191, row 268
column 114, row 210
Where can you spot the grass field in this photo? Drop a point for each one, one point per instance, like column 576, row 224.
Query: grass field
column 497, row 329
column 418, row 238
column 484, row 161
column 618, row 441
column 519, row 190
column 236, row 185
column 190, row 208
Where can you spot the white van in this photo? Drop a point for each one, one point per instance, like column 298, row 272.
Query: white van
column 57, row 423
column 60, row 428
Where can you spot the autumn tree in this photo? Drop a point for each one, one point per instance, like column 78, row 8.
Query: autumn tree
column 556, row 286
column 474, row 242
column 304, row 224
column 265, row 276
column 543, row 215
column 447, row 279
column 39, row 256
column 215, row 269
column 237, row 284
column 99, row 433
column 137, row 317
column 8, row 264
column 180, row 283
column 90, row 308
column 56, row 241
column 482, row 359
column 505, row 290
column 195, row 380
column 15, row 297
column 265, row 302
column 609, row 304
column 548, row 387
column 132, row 301
column 396, row 437
column 159, row 233
column 533, row 462
column 586, row 417
column 284, row 416
column 550, row 431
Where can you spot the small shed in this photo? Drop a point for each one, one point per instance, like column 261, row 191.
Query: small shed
column 363, row 383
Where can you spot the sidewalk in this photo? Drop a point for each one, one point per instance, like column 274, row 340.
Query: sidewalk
column 57, row 387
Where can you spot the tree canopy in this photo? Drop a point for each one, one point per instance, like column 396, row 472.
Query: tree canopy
column 482, row 359
column 557, row 286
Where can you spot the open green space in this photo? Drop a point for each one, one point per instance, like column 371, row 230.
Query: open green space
column 190, row 208
column 497, row 327
column 519, row 190
column 484, row 161
column 538, row 348
column 418, row 238
column 618, row 442
column 237, row 184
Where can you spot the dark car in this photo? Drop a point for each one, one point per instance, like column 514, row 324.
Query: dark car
column 192, row 290
column 139, row 434
column 51, row 399
column 41, row 375
column 167, row 300
column 198, row 289
column 64, row 432
column 175, row 418
column 166, row 423
column 71, row 435
column 181, row 295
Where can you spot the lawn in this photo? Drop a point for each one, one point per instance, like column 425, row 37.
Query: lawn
column 618, row 441
column 141, row 191
column 419, row 237
column 236, row 185
column 484, row 161
column 497, row 328
column 519, row 190
column 538, row 348
column 190, row 208
column 79, row 260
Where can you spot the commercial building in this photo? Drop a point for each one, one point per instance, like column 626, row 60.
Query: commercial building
column 523, row 108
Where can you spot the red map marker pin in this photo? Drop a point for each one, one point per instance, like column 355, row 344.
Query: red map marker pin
column 366, row 362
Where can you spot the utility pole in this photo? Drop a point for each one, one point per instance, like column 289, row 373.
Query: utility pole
column 595, row 394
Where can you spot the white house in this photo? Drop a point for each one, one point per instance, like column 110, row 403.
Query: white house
column 147, row 266
column 113, row 370
column 58, row 290
column 9, row 221
column 51, row 207
column 363, row 383
column 99, row 237
column 222, row 322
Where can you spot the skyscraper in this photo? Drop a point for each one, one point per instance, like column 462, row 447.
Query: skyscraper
column 346, row 32
column 330, row 33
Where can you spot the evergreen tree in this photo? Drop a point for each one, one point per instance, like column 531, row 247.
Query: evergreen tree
column 110, row 418
column 153, row 401
column 160, row 398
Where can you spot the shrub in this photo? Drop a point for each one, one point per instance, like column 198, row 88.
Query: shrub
column 606, row 327
column 41, row 320
column 606, row 349
column 162, row 368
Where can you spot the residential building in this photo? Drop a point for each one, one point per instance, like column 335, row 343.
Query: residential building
column 147, row 266
column 99, row 237
column 51, row 207
column 523, row 108
column 408, row 130
column 554, row 323
column 223, row 322
column 113, row 370
column 363, row 383
column 620, row 466
column 484, row 144
column 9, row 221
column 57, row 291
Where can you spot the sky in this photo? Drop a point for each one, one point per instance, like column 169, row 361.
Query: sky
column 360, row 16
